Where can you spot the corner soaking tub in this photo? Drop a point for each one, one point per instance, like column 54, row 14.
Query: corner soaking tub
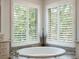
column 41, row 52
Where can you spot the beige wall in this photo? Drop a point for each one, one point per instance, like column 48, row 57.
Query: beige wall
column 5, row 17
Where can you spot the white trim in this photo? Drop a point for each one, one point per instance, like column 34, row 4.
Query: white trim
column 56, row 4
column 27, row 5
column 61, row 43
column 58, row 25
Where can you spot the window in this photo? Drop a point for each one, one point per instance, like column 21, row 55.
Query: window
column 61, row 25
column 24, row 26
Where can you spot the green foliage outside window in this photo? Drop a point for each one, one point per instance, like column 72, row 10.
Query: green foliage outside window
column 24, row 23
column 60, row 23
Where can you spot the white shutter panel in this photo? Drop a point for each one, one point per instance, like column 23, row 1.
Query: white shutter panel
column 60, row 25
column 66, row 21
column 24, row 26
column 52, row 24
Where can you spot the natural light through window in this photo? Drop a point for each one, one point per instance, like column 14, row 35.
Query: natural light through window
column 61, row 25
column 24, row 26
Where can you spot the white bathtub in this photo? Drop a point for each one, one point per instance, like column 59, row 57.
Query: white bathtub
column 41, row 52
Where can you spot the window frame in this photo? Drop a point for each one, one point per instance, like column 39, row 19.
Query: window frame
column 27, row 5
column 55, row 4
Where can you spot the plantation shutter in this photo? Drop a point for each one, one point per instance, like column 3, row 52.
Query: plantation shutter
column 66, row 23
column 24, row 26
column 60, row 25
column 52, row 24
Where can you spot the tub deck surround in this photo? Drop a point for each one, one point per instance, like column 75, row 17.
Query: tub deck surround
column 4, row 47
column 41, row 52
column 77, row 50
